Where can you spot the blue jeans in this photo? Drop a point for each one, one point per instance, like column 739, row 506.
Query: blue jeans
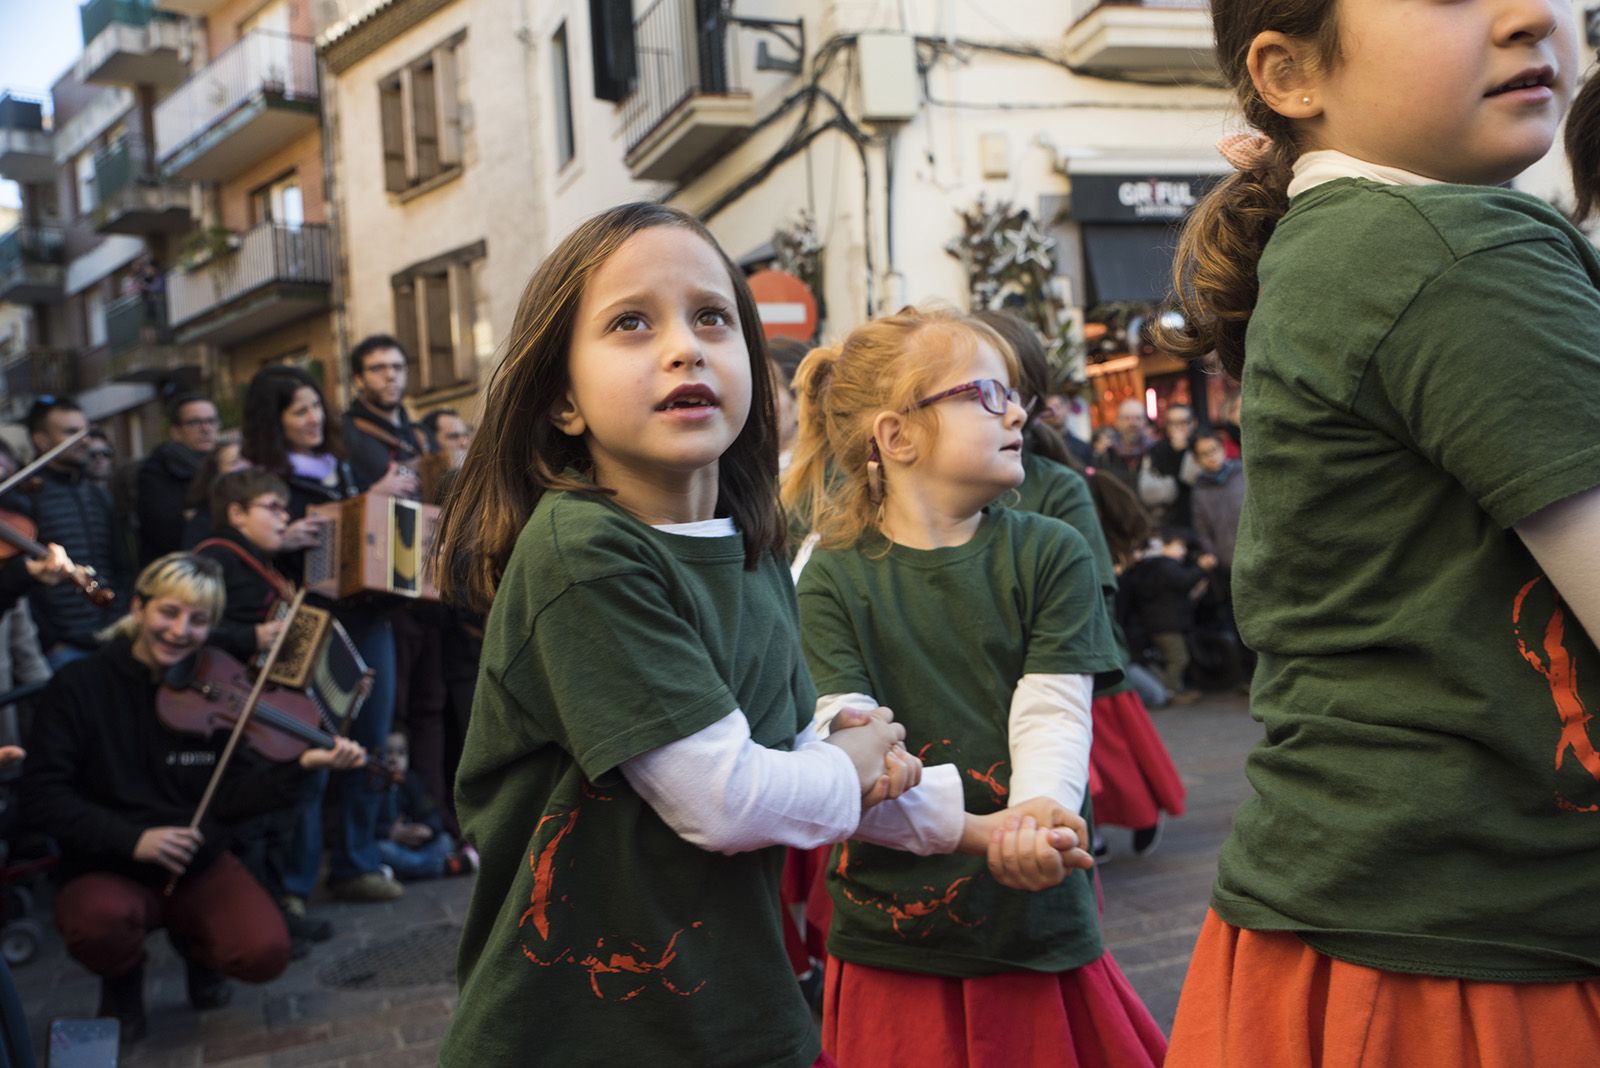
column 425, row 861
column 353, row 794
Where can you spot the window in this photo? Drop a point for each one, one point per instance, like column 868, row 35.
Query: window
column 419, row 108
column 279, row 202
column 441, row 315
column 616, row 64
column 563, row 96
column 83, row 178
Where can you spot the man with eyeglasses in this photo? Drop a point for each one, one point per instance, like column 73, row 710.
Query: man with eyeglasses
column 74, row 512
column 165, row 475
column 379, row 435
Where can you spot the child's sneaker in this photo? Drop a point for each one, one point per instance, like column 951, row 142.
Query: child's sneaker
column 461, row 862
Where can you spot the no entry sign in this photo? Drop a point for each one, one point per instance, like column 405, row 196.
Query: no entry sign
column 786, row 304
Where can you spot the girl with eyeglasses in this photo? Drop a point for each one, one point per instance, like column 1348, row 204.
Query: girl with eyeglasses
column 985, row 629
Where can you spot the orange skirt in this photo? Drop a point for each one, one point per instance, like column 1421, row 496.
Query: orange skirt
column 1266, row 998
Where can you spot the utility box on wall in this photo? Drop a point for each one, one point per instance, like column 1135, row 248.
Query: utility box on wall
column 888, row 77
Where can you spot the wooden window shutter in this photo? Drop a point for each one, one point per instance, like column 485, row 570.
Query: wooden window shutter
column 391, row 109
column 425, row 119
column 616, row 61
column 446, row 87
column 405, row 321
column 439, row 329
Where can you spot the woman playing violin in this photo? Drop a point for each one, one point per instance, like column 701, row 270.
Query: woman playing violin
column 117, row 789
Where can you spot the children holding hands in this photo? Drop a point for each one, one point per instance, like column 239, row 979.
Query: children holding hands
column 642, row 739
column 985, row 629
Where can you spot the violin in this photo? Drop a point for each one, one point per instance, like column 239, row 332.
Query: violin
column 205, row 693
column 17, row 533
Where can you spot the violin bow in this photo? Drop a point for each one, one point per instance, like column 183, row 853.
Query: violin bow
column 25, row 472
column 240, row 724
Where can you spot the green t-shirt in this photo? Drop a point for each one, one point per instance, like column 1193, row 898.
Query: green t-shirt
column 595, row 934
column 942, row 636
column 1423, row 373
column 1054, row 489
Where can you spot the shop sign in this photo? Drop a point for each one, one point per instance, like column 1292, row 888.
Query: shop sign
column 1137, row 198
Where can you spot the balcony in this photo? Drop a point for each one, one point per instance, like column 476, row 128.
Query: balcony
column 139, row 341
column 685, row 106
column 128, row 42
column 133, row 197
column 277, row 275
column 253, row 100
column 198, row 9
column 32, row 265
column 33, row 370
column 1160, row 39
column 26, row 151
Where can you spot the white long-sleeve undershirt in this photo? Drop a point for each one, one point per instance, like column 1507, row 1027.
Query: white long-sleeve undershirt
column 1565, row 540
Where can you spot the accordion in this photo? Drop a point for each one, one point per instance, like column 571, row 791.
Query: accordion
column 372, row 544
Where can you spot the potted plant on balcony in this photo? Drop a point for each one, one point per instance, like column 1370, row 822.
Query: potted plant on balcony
column 202, row 246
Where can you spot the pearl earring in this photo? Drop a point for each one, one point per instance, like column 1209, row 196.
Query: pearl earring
column 1305, row 100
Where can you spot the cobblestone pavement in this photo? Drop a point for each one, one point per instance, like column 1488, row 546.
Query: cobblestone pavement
column 1154, row 906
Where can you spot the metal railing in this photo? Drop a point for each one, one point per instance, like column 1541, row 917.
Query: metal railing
column 260, row 62
column 18, row 112
column 268, row 254
column 137, row 319
column 32, row 244
column 40, row 371
column 96, row 15
column 128, row 161
column 680, row 55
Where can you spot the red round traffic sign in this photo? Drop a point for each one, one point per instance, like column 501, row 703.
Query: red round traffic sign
column 787, row 306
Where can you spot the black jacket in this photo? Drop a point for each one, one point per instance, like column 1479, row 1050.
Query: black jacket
column 76, row 514
column 14, row 582
column 304, row 492
column 250, row 595
column 164, row 480
column 1159, row 588
column 369, row 457
column 102, row 769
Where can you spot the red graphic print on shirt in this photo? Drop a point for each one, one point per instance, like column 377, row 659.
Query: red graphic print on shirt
column 916, row 917
column 1554, row 661
column 615, row 974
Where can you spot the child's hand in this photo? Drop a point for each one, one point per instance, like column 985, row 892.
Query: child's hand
column 267, row 633
column 303, row 533
column 1023, row 856
column 901, row 772
column 867, row 744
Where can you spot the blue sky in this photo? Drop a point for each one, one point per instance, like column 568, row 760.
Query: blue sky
column 39, row 39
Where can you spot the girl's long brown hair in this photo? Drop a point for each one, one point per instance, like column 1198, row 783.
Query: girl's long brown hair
column 1214, row 272
column 518, row 454
column 1583, row 146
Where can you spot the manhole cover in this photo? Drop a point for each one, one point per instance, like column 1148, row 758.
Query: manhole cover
column 416, row 958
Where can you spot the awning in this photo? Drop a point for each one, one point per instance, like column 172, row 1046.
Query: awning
column 1129, row 263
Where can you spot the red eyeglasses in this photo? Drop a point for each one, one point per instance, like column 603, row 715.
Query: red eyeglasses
column 992, row 393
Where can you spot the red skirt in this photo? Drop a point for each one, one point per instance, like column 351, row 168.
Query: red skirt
column 1086, row 1018
column 807, row 908
column 1132, row 780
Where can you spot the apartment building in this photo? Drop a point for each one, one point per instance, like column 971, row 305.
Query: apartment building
column 469, row 137
column 253, row 281
column 97, row 225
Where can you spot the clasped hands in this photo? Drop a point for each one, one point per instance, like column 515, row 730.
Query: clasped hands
column 1031, row 846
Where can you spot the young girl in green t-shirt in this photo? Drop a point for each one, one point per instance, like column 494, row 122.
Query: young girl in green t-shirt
column 1419, row 350
column 985, row 628
column 637, row 754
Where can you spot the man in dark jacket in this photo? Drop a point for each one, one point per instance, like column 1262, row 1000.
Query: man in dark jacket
column 76, row 514
column 378, row 432
column 164, row 477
